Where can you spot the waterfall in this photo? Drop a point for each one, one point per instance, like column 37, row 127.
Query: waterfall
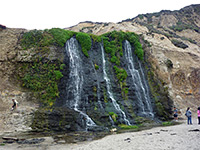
column 75, row 83
column 108, row 85
column 139, row 82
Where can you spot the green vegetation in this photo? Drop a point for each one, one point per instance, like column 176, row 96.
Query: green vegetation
column 2, row 144
column 95, row 38
column 105, row 95
column 41, row 40
column 123, row 126
column 179, row 44
column 134, row 40
column 85, row 41
column 113, row 44
column 169, row 64
column 32, row 39
column 139, row 120
column 60, row 35
column 43, row 75
column 141, row 16
column 113, row 116
column 42, row 78
column 180, row 26
column 96, row 66
column 166, row 123
column 162, row 101
column 62, row 66
column 160, row 108
column 120, row 73
column 111, row 48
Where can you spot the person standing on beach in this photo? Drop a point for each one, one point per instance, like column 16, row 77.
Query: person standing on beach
column 198, row 113
column 189, row 115
column 175, row 114
column 14, row 106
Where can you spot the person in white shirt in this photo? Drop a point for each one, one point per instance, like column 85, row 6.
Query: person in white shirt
column 14, row 106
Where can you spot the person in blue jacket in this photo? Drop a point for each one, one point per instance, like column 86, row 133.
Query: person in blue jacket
column 189, row 115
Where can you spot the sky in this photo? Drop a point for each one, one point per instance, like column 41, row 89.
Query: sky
column 46, row 14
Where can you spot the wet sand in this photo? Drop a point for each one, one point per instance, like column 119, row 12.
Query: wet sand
column 177, row 137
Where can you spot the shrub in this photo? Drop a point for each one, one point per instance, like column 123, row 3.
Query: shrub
column 180, row 26
column 120, row 73
column 134, row 40
column 113, row 59
column 42, row 78
column 138, row 50
column 61, row 35
column 95, row 38
column 114, row 116
column 166, row 123
column 123, row 126
column 41, row 40
column 31, row 39
column 58, row 74
column 179, row 44
column 141, row 16
column 96, row 66
column 169, row 64
column 62, row 66
column 85, row 41
column 160, row 109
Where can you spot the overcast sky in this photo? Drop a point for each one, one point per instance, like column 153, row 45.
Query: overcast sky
column 42, row 14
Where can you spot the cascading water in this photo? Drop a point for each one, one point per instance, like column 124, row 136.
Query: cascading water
column 75, row 83
column 117, row 107
column 140, row 83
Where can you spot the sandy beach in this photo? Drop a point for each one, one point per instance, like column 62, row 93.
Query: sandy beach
column 178, row 137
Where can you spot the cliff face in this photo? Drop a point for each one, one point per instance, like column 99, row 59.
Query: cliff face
column 9, row 52
column 170, row 39
column 170, row 36
column 12, row 60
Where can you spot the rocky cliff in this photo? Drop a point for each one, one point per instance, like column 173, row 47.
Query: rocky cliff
column 172, row 46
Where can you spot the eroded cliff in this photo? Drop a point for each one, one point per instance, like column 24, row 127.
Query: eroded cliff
column 170, row 37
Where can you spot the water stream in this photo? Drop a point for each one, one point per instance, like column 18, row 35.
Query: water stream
column 140, row 83
column 108, row 85
column 75, row 83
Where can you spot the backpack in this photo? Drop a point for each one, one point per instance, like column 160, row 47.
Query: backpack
column 188, row 113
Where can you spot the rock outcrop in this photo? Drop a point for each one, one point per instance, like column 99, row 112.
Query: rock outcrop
column 169, row 36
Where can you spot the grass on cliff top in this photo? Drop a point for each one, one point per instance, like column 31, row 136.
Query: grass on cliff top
column 39, row 38
column 42, row 40
column 113, row 44
column 85, row 40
